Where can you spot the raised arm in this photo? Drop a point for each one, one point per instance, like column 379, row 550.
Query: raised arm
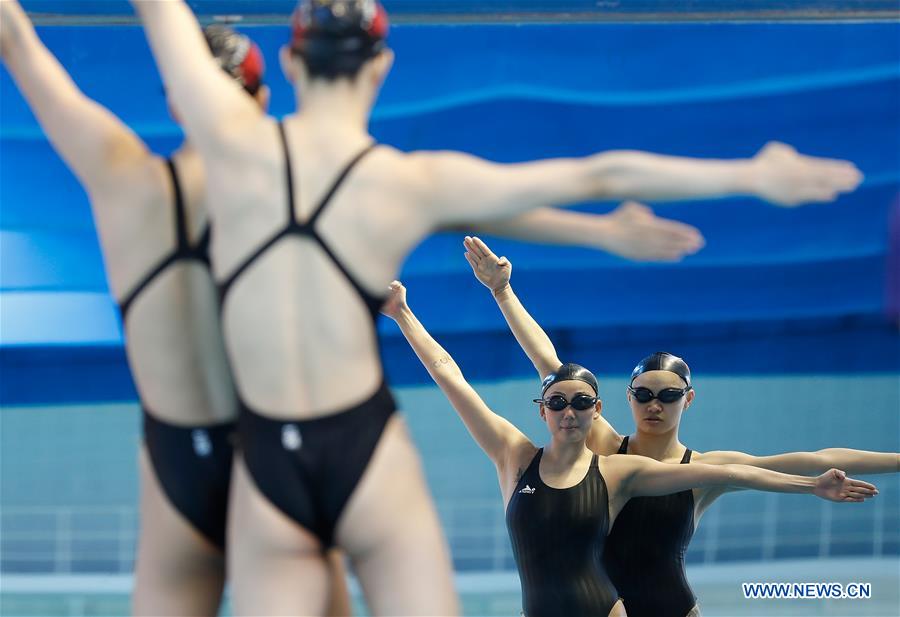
column 464, row 188
column 806, row 463
column 631, row 231
column 211, row 105
column 97, row 146
column 494, row 273
column 646, row 477
column 496, row 435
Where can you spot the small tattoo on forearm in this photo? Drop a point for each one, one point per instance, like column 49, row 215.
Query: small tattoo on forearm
column 440, row 361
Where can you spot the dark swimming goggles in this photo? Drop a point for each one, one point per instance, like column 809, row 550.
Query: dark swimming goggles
column 667, row 395
column 558, row 402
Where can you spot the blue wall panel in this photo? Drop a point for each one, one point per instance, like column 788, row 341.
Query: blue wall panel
column 249, row 8
column 770, row 279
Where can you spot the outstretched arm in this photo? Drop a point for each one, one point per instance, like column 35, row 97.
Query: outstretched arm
column 851, row 461
column 645, row 476
column 463, row 188
column 96, row 145
column 212, row 105
column 496, row 435
column 494, row 273
column 631, row 231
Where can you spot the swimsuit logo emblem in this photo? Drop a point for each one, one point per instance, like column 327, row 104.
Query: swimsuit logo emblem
column 290, row 437
column 527, row 490
column 202, row 442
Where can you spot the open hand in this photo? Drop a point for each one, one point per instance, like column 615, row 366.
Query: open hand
column 834, row 485
column 636, row 233
column 492, row 271
column 785, row 177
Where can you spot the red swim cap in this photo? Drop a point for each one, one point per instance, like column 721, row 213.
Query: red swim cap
column 238, row 56
column 251, row 70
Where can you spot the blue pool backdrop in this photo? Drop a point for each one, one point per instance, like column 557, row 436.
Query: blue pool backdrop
column 782, row 316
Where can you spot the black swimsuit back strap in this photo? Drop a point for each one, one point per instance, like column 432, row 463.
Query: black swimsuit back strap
column 307, row 228
column 184, row 250
column 290, row 227
column 180, row 214
column 226, row 284
column 687, row 456
column 331, row 191
column 182, row 247
column 373, row 303
column 289, row 174
column 337, row 183
column 205, row 241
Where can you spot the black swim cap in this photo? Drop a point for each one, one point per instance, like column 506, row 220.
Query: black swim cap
column 335, row 37
column 663, row 361
column 570, row 372
column 238, row 56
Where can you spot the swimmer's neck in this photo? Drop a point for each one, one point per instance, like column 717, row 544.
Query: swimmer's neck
column 341, row 107
column 662, row 447
column 561, row 455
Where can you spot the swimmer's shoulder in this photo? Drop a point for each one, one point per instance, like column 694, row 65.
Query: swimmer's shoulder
column 144, row 181
column 404, row 174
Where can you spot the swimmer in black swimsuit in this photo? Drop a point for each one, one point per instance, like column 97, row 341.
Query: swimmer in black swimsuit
column 644, row 554
column 562, row 499
column 157, row 264
column 311, row 222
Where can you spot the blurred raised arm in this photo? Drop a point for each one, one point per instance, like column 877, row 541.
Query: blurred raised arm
column 212, row 106
column 99, row 148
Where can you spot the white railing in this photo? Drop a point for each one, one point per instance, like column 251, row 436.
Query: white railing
column 102, row 539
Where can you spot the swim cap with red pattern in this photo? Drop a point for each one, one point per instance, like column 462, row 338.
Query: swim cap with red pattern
column 330, row 27
column 238, row 56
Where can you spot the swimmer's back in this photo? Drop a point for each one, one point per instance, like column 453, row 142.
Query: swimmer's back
column 173, row 345
column 293, row 316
